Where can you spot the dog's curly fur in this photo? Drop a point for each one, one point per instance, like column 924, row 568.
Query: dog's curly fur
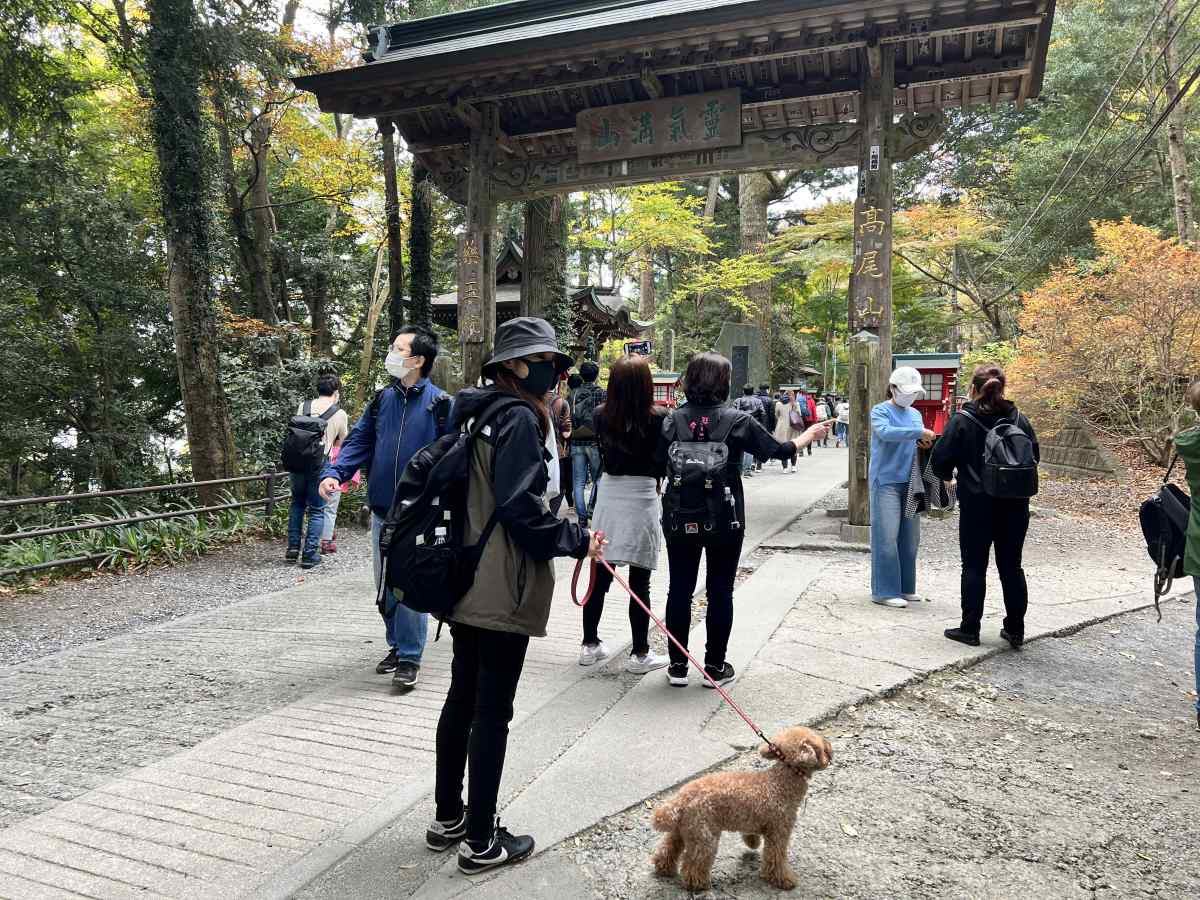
column 761, row 805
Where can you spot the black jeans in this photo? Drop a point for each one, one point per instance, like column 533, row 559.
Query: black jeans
column 473, row 727
column 722, row 556
column 982, row 523
column 639, row 622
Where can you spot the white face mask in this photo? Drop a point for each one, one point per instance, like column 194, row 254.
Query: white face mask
column 395, row 364
column 904, row 400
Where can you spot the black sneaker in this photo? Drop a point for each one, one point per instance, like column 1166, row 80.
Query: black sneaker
column 677, row 674
column 963, row 637
column 387, row 664
column 406, row 675
column 504, row 849
column 721, row 676
column 444, row 835
column 310, row 562
column 292, row 554
column 1014, row 640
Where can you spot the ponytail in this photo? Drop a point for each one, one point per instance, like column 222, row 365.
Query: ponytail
column 989, row 383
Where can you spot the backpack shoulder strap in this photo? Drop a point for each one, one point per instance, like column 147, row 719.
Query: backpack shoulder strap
column 330, row 413
column 307, row 408
column 720, row 434
column 970, row 416
column 373, row 408
column 494, row 409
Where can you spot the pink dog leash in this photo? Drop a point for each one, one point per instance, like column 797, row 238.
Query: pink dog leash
column 663, row 628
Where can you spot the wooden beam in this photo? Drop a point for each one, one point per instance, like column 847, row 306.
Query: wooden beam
column 651, row 82
column 809, row 146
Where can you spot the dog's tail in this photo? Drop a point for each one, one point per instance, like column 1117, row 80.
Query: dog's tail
column 666, row 817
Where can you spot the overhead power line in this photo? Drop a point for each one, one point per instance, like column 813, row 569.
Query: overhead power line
column 1050, row 196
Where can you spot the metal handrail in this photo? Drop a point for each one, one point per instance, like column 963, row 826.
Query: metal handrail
column 269, row 500
column 123, row 492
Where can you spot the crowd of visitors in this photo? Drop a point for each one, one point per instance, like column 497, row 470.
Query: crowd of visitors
column 636, row 477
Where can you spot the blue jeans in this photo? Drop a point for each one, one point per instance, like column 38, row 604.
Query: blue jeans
column 585, row 458
column 747, row 463
column 894, row 541
column 306, row 496
column 406, row 630
column 331, row 508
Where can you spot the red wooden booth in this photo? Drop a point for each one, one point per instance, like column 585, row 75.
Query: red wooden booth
column 665, row 384
column 939, row 377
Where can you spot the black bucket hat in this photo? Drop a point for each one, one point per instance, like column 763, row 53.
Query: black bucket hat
column 525, row 336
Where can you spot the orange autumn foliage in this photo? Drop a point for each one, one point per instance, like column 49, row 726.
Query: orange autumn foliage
column 1115, row 340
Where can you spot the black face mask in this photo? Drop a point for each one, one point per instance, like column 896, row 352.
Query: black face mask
column 541, row 377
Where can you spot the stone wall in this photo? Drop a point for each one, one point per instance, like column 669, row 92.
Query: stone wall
column 1073, row 451
column 739, row 334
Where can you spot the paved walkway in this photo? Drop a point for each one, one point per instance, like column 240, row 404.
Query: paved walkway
column 245, row 751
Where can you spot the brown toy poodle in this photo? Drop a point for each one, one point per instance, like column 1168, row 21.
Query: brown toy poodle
column 761, row 805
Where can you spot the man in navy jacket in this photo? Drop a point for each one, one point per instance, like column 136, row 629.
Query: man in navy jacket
column 404, row 417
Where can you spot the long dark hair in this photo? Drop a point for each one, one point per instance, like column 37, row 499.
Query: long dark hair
column 706, row 380
column 629, row 412
column 988, row 383
column 507, row 382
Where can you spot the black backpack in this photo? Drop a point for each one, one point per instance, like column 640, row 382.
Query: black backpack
column 422, row 542
column 698, row 503
column 583, row 412
column 304, row 442
column 1010, row 469
column 1164, row 519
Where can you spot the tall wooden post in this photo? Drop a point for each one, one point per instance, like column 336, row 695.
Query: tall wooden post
column 476, row 255
column 871, row 276
column 864, row 393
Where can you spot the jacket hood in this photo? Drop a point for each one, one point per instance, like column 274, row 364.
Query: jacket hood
column 468, row 403
column 1187, row 443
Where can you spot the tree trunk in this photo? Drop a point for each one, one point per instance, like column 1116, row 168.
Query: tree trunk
column 1177, row 155
column 316, row 297
column 710, row 201
column 754, row 197
column 420, row 247
column 544, row 279
column 379, row 299
column 647, row 303
column 395, row 289
column 263, row 228
column 173, row 58
column 237, row 211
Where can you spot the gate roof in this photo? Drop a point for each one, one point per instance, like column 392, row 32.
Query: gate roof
column 796, row 62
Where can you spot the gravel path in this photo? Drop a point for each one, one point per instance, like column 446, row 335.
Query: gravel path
column 1068, row 770
column 72, row 613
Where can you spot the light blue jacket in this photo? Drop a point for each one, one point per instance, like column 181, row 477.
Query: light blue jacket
column 894, row 435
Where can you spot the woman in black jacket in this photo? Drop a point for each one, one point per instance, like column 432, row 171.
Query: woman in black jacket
column 984, row 521
column 509, row 600
column 705, row 417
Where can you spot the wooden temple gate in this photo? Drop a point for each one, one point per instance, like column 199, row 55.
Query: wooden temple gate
column 525, row 99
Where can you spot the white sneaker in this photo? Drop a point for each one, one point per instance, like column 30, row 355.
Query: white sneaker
column 648, row 662
column 892, row 602
column 590, row 654
column 912, row 598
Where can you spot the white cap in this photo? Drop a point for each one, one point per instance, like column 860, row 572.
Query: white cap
column 907, row 380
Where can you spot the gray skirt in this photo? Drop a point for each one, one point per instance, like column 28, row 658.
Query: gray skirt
column 629, row 513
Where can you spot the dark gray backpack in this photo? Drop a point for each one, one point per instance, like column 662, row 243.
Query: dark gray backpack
column 1010, row 468
column 303, row 449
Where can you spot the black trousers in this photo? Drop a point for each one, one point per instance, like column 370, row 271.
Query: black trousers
column 983, row 523
column 683, row 557
column 473, row 728
column 639, row 622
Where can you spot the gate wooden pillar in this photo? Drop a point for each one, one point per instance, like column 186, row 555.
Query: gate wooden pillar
column 476, row 253
column 871, row 276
